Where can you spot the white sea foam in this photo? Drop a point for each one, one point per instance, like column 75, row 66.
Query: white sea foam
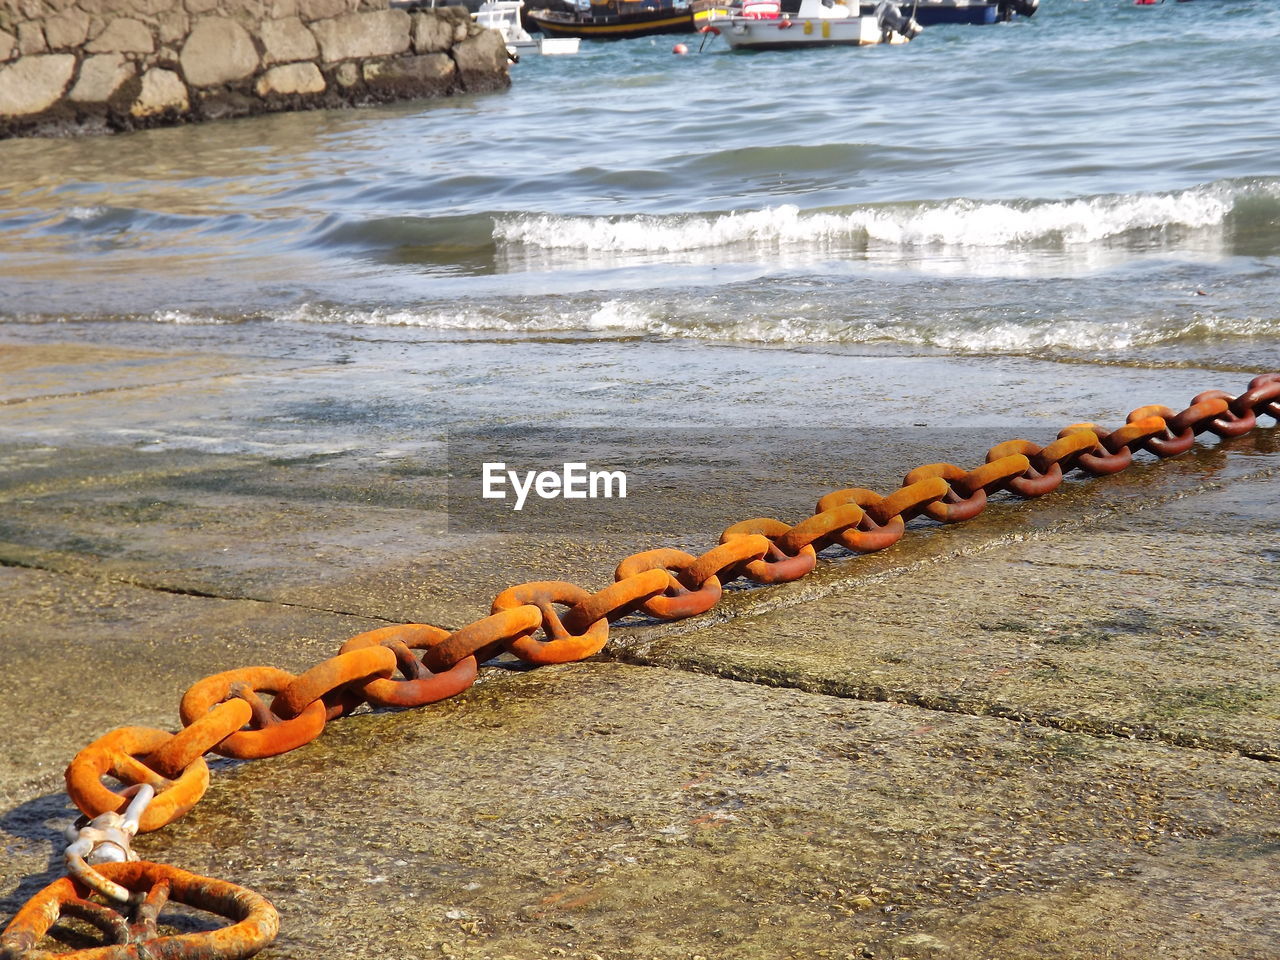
column 954, row 334
column 960, row 223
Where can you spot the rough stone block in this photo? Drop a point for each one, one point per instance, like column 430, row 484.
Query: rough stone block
column 347, row 75
column 322, row 9
column 431, row 73
column 174, row 26
column 480, row 57
column 123, row 35
column 31, row 39
column 290, row 79
column 67, row 30
column 149, row 8
column 432, row 33
column 100, row 77
column 34, row 84
column 162, row 91
column 218, row 51
column 287, row 40
column 381, row 33
column 279, row 9
column 8, row 45
column 197, row 7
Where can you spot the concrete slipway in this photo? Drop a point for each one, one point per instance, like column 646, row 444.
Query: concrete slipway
column 1048, row 732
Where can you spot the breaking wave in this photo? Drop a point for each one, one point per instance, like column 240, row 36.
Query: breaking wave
column 951, row 223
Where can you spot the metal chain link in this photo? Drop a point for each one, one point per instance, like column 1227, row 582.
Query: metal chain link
column 225, row 714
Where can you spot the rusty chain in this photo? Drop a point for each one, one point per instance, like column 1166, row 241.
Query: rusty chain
column 166, row 774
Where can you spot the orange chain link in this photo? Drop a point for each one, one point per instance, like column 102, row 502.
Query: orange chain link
column 225, row 714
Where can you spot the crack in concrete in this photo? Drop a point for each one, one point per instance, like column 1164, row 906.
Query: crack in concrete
column 873, row 693
column 181, row 591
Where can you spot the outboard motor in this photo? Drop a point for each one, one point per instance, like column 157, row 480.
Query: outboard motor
column 890, row 17
column 1022, row 8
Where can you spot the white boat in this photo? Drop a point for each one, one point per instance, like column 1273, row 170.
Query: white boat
column 504, row 16
column 782, row 25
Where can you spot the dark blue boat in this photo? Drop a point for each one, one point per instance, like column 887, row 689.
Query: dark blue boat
column 931, row 12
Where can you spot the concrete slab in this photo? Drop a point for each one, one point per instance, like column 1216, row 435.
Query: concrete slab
column 1156, row 623
column 606, row 810
column 991, row 795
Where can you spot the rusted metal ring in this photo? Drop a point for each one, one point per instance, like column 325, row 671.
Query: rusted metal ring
column 1199, row 416
column 620, row 598
column 1033, row 482
column 677, row 601
column 327, row 677
column 420, row 685
column 956, row 503
column 870, row 534
column 1098, row 461
column 997, row 474
column 478, row 638
column 200, row 736
column 1262, row 396
column 777, row 565
column 725, row 561
column 822, row 529
column 909, row 500
column 1064, row 451
column 563, row 646
column 256, row 920
column 1229, row 423
column 1167, row 443
column 121, row 753
column 270, row 735
column 1135, row 433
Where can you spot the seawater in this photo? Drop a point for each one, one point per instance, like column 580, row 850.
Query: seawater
column 1099, row 182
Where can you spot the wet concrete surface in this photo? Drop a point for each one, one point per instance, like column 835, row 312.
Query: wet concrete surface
column 1048, row 732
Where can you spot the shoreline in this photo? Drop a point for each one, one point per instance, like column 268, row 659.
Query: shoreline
column 887, row 756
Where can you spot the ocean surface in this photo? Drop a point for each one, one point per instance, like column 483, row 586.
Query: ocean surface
column 1100, row 182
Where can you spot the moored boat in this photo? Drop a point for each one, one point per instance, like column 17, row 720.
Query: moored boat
column 787, row 24
column 929, row 13
column 504, row 17
column 616, row 19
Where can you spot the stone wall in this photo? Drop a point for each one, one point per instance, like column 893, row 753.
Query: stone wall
column 104, row 65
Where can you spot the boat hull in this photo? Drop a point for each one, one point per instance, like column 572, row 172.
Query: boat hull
column 929, row 13
column 555, row 24
column 742, row 33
